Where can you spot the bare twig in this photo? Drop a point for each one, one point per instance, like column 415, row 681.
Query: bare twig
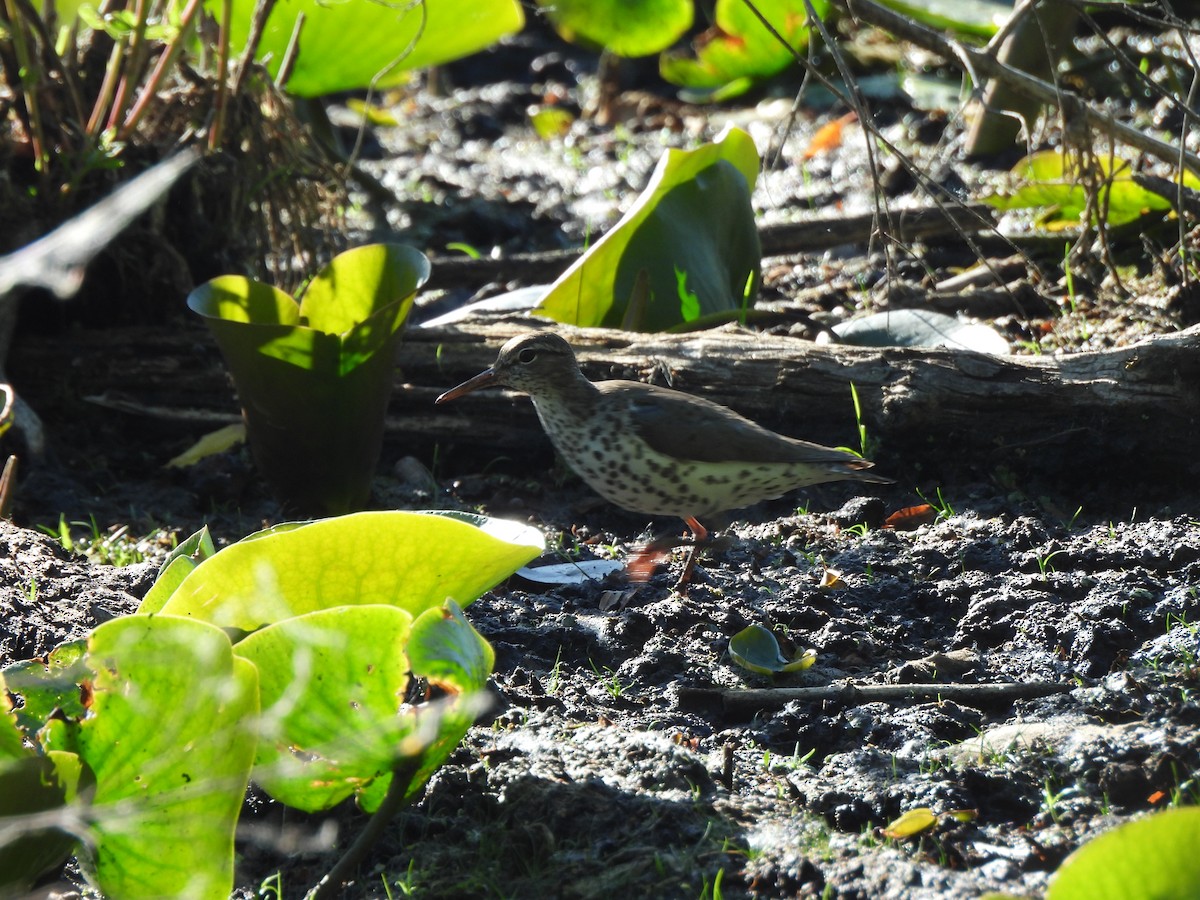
column 853, row 694
column 1073, row 107
column 935, row 191
column 257, row 23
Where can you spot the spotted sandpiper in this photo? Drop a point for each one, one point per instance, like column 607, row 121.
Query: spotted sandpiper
column 655, row 450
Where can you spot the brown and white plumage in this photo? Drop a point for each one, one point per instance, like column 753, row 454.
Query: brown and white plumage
column 655, row 450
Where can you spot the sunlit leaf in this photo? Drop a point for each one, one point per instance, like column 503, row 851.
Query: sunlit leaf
column 352, row 44
column 176, row 567
column 968, row 18
column 624, row 27
column 911, row 823
column 755, row 648
column 1057, row 183
column 406, row 559
column 210, row 444
column 1152, row 858
column 739, row 50
column 332, row 683
column 694, row 217
column 168, row 743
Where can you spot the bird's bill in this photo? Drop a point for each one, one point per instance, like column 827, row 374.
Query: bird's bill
column 483, row 379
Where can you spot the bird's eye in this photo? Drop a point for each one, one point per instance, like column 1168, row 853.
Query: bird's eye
column 527, row 355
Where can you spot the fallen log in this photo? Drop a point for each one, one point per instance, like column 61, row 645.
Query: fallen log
column 1118, row 417
column 1112, row 416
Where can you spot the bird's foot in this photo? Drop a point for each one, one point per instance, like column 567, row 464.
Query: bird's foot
column 645, row 562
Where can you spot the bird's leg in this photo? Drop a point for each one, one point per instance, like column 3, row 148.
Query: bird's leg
column 648, row 558
column 643, row 563
column 700, row 538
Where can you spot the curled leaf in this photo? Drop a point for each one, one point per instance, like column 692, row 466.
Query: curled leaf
column 911, row 517
column 756, row 649
column 832, row 580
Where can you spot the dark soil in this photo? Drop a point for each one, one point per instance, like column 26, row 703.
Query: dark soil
column 614, row 759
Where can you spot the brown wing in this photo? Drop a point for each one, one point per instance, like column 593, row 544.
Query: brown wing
column 688, row 427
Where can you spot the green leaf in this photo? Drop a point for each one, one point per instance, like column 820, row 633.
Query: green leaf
column 11, row 738
column 405, row 559
column 755, row 648
column 176, row 567
column 359, row 43
column 624, row 27
column 445, row 650
column 364, row 295
column 739, row 50
column 1153, row 858
column 49, row 688
column 314, row 378
column 968, row 18
column 1056, row 182
column 694, row 217
column 911, row 823
column 350, row 310
column 30, row 785
column 169, row 742
column 332, row 685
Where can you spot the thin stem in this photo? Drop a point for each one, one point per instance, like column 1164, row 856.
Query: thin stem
column 219, row 103
column 108, row 88
column 258, row 22
column 165, row 61
column 29, row 86
column 131, row 70
column 331, row 884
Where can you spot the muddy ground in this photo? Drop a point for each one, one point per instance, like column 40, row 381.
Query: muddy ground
column 616, row 758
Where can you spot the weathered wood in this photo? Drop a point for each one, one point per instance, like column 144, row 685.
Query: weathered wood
column 1095, row 418
column 1118, row 415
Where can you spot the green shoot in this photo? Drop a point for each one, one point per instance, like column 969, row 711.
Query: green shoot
column 943, row 507
column 468, row 249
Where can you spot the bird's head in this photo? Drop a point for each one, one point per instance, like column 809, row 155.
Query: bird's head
column 535, row 363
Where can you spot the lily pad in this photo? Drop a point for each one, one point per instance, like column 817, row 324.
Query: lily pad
column 406, row 559
column 163, row 819
column 624, row 27
column 356, row 44
column 1153, row 858
column 332, row 683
